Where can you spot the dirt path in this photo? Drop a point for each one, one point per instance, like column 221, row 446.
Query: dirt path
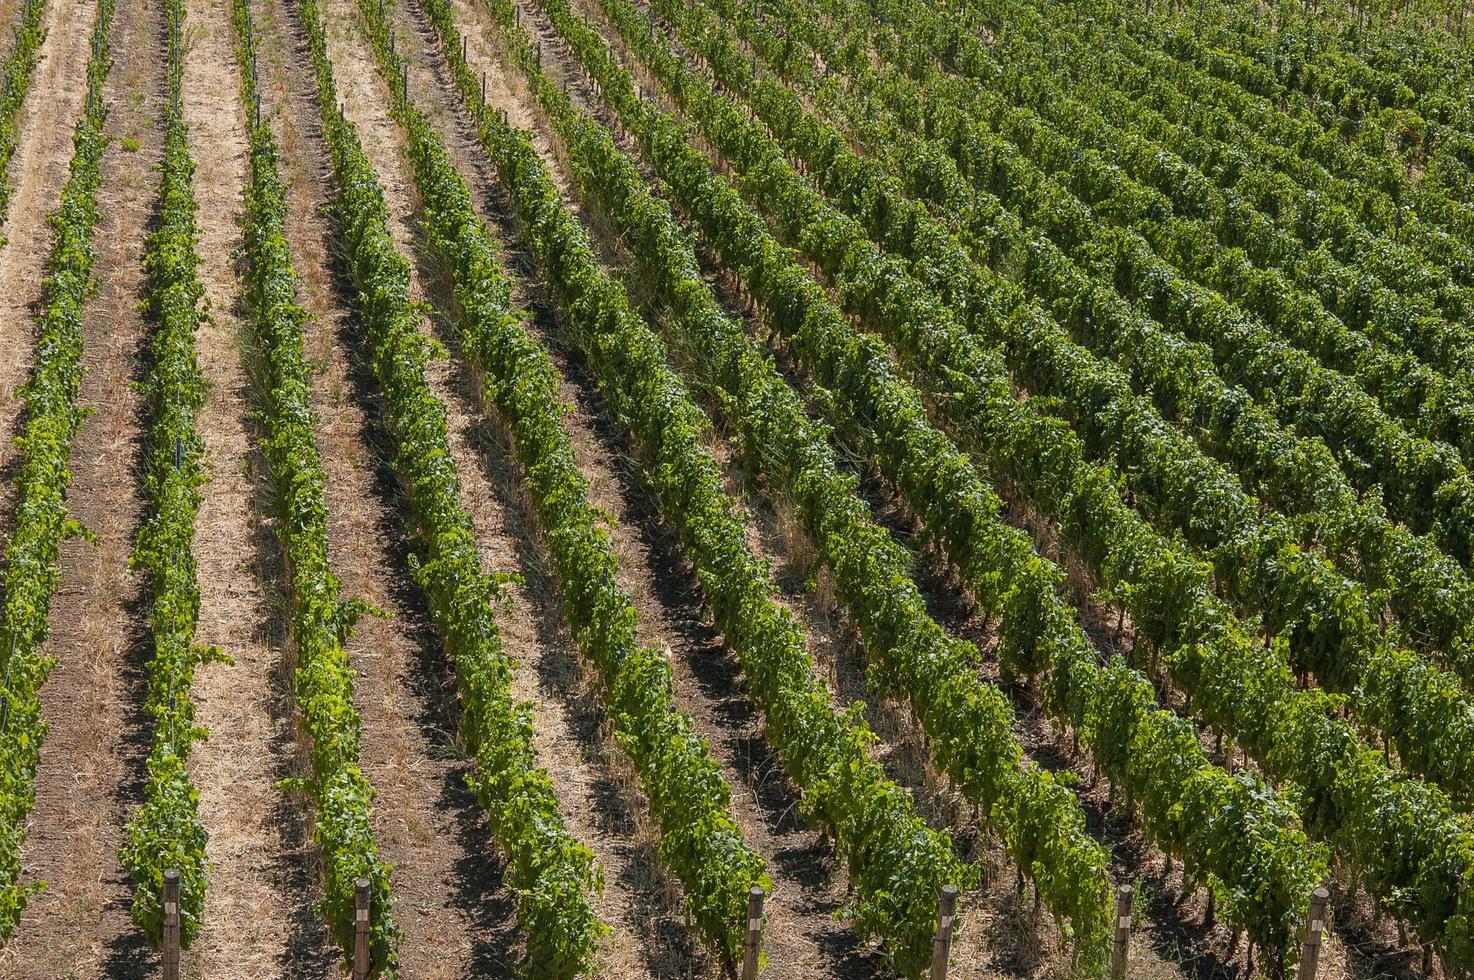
column 91, row 760
column 259, row 916
column 10, row 13
column 38, row 169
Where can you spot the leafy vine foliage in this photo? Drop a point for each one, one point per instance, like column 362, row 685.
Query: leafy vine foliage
column 321, row 619
column 1432, row 595
column 15, row 82
column 555, row 876
column 1385, row 415
column 166, row 832
column 51, row 420
column 1399, row 831
column 1260, row 564
column 895, row 862
column 1113, row 707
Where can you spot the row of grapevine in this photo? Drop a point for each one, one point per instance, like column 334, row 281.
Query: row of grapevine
column 1380, row 240
column 1428, row 591
column 166, row 831
column 1411, row 353
column 1423, row 483
column 1112, row 708
column 321, row 619
column 1398, row 831
column 52, row 417
column 1330, row 622
column 1400, row 86
column 688, row 795
column 896, row 864
column 1400, row 110
column 1387, row 121
column 967, row 721
column 15, row 83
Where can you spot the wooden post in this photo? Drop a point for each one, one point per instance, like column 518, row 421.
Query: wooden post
column 361, row 929
column 1315, row 926
column 483, row 88
column 754, row 941
column 463, row 47
column 171, row 924
column 1122, row 946
column 941, row 948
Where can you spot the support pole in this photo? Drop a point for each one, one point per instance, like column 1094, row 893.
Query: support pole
column 361, row 929
column 753, row 943
column 941, row 948
column 1122, row 946
column 171, row 924
column 1315, row 927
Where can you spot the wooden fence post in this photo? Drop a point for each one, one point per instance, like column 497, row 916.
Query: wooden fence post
column 754, row 941
column 1315, row 927
column 361, row 929
column 1122, row 945
column 171, row 924
column 941, row 948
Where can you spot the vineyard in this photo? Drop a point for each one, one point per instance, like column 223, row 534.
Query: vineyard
column 694, row 489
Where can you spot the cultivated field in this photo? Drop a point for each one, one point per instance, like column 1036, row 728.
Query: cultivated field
column 495, row 488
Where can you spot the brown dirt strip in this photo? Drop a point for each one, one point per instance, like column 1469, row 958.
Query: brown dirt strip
column 10, row 14
column 38, row 170
column 91, row 760
column 259, row 918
